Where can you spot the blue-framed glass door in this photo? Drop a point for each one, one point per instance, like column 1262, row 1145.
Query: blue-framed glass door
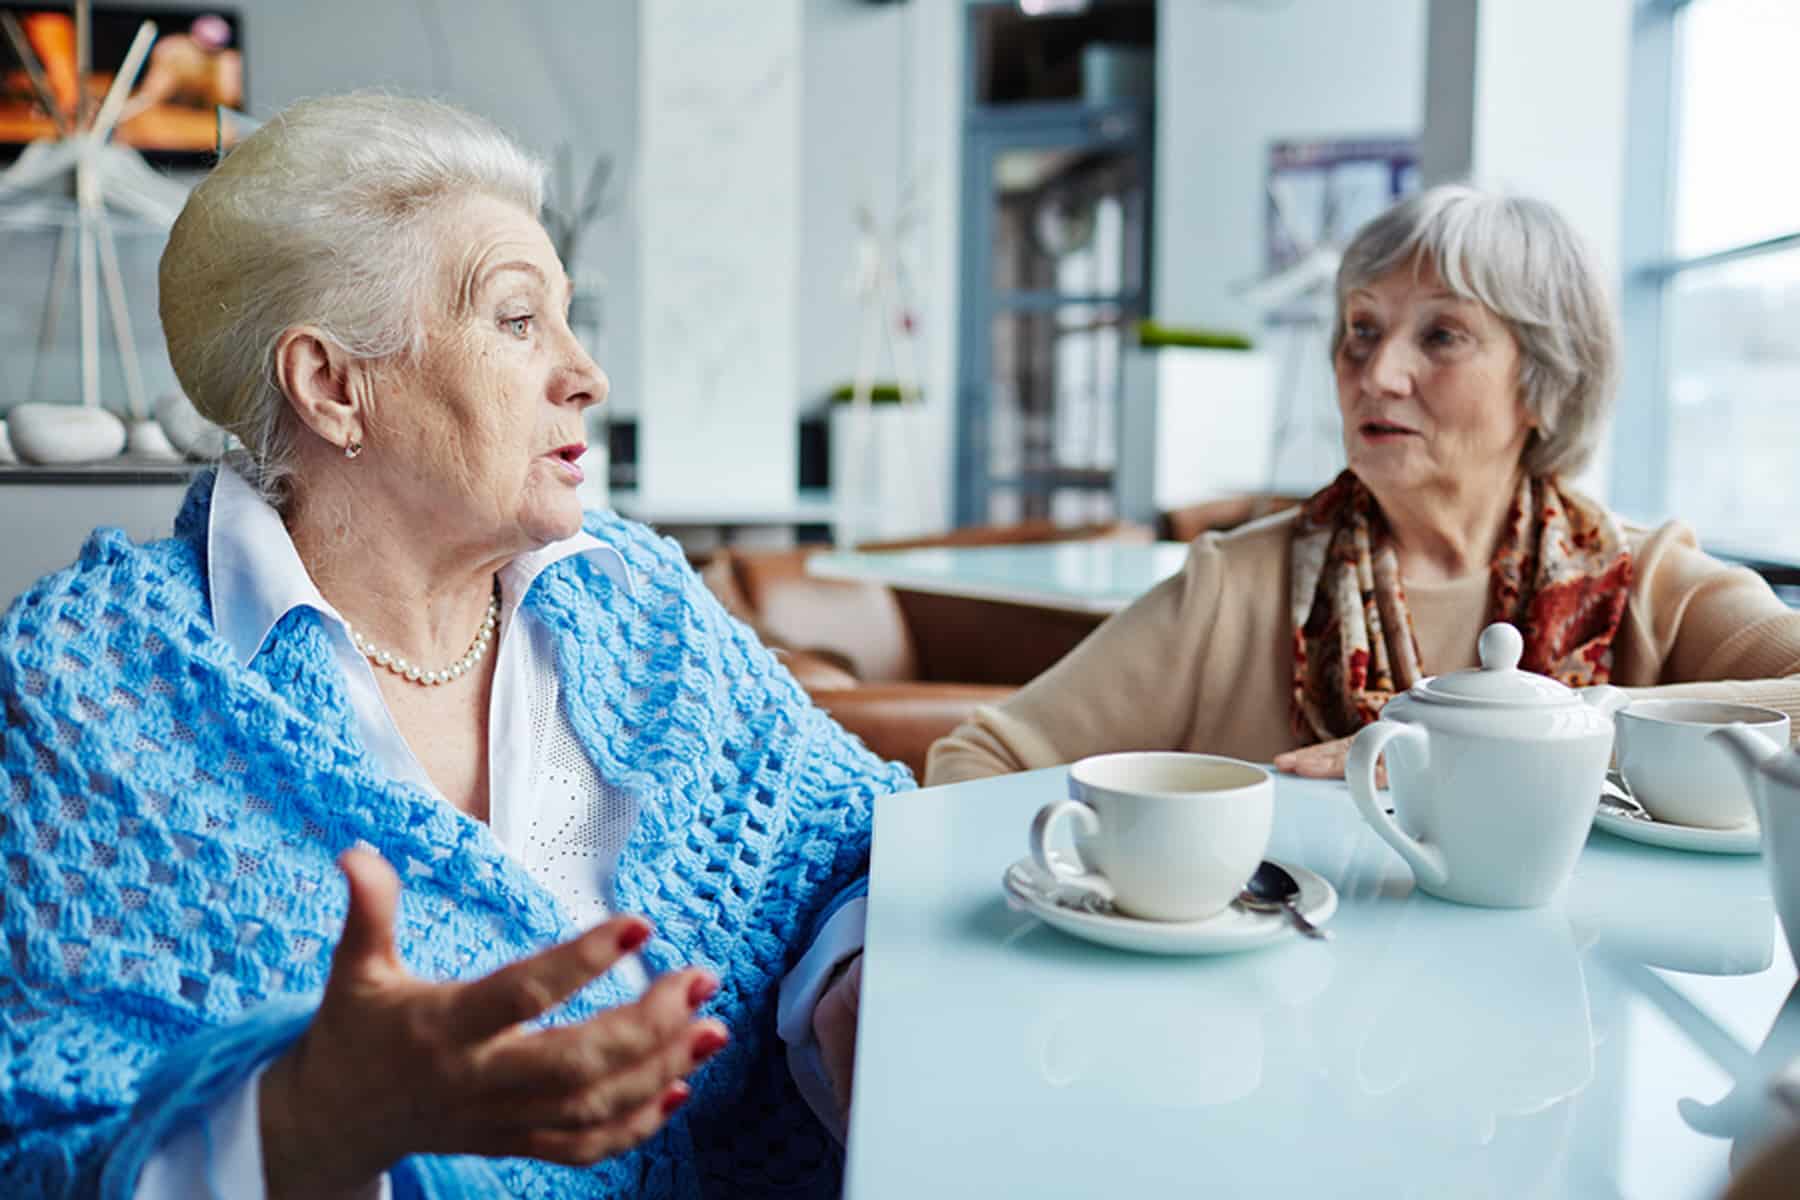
column 1055, row 269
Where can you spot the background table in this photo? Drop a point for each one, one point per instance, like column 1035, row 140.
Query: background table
column 1098, row 577
column 1610, row 1045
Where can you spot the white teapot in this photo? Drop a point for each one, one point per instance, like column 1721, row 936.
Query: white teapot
column 1773, row 774
column 1496, row 775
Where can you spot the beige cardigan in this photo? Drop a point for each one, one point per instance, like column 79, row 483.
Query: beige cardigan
column 1204, row 660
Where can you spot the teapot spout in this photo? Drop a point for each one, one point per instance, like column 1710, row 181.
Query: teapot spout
column 1747, row 748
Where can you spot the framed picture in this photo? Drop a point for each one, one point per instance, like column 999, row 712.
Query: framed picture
column 1320, row 192
column 195, row 66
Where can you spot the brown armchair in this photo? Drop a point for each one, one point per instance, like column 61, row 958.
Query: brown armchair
column 1187, row 523
column 850, row 647
column 898, row 669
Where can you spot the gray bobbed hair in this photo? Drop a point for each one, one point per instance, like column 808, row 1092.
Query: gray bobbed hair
column 319, row 218
column 1522, row 261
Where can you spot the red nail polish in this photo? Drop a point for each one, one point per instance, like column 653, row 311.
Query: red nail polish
column 707, row 1043
column 701, row 990
column 675, row 1097
column 633, row 937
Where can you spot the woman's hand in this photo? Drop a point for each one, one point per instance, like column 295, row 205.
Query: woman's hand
column 1324, row 760
column 392, row 1065
column 834, row 1028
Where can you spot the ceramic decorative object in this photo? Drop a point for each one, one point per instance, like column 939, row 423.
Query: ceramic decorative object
column 6, row 450
column 146, row 440
column 64, row 434
column 188, row 431
column 1496, row 777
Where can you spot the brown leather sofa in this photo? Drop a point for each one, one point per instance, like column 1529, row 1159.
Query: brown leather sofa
column 898, row 669
column 1228, row 512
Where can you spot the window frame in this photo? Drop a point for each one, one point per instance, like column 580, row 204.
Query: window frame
column 1640, row 473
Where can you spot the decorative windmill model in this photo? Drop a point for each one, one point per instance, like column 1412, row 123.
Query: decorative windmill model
column 83, row 162
column 878, row 281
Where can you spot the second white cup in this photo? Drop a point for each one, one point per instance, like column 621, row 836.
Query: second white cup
column 1175, row 836
column 1676, row 772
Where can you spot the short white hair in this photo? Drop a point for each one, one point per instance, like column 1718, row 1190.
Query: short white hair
column 319, row 218
column 1522, row 261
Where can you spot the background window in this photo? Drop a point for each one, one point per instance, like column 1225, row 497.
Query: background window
column 1725, row 322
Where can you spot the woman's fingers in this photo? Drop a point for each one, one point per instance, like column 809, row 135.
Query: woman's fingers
column 608, row 1097
column 1324, row 760
column 531, row 987
column 368, row 937
column 582, row 1147
column 569, row 1059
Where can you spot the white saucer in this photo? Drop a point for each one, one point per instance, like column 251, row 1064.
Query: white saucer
column 1741, row 839
column 1073, row 910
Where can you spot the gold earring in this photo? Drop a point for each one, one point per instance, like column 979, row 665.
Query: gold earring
column 353, row 447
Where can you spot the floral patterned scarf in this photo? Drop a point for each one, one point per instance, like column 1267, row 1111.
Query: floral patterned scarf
column 1560, row 573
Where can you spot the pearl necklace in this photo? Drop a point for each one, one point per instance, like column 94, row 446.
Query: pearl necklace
column 413, row 673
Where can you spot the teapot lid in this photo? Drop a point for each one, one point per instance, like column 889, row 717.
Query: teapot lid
column 1498, row 680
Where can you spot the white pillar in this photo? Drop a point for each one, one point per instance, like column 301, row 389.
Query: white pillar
column 1530, row 95
column 719, row 203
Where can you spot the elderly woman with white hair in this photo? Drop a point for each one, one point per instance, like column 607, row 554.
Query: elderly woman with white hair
column 1475, row 356
column 393, row 828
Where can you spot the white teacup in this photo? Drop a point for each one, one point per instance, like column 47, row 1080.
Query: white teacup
column 1175, row 836
column 1679, row 776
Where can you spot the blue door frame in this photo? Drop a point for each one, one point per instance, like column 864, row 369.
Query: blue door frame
column 988, row 132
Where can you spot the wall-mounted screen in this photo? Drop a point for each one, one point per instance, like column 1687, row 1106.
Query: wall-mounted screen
column 195, row 65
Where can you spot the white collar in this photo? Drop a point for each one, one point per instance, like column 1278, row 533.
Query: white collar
column 255, row 576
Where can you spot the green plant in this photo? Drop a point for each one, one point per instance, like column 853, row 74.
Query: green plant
column 880, row 393
column 1153, row 335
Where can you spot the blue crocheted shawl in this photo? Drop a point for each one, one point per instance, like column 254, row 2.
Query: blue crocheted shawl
column 172, row 817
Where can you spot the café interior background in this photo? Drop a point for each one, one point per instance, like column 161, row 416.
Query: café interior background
column 1122, row 155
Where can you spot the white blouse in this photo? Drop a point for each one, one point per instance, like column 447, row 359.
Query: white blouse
column 547, row 803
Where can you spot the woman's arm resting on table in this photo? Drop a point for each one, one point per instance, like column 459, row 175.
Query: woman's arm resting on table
column 1719, row 632
column 817, row 1008
column 1129, row 685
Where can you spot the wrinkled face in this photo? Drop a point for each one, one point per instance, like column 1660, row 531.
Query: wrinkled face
column 493, row 404
column 1428, row 386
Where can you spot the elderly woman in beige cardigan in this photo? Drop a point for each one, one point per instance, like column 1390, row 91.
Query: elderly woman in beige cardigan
column 1475, row 357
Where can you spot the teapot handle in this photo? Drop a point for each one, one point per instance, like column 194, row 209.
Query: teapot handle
column 1427, row 862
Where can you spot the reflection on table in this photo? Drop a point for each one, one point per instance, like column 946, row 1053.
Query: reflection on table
column 1430, row 1049
column 1097, row 577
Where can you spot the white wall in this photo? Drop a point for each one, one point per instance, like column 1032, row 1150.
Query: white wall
column 1231, row 79
column 719, row 145
column 883, row 108
column 852, row 122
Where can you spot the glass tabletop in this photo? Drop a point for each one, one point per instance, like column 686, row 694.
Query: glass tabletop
column 1612, row 1044
column 1090, row 576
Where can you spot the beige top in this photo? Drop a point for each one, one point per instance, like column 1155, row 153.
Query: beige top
column 1204, row 660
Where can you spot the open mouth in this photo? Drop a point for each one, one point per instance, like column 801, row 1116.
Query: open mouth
column 569, row 458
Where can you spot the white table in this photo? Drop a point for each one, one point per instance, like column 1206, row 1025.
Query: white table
column 1095, row 577
column 809, row 506
column 702, row 525
column 1606, row 1046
